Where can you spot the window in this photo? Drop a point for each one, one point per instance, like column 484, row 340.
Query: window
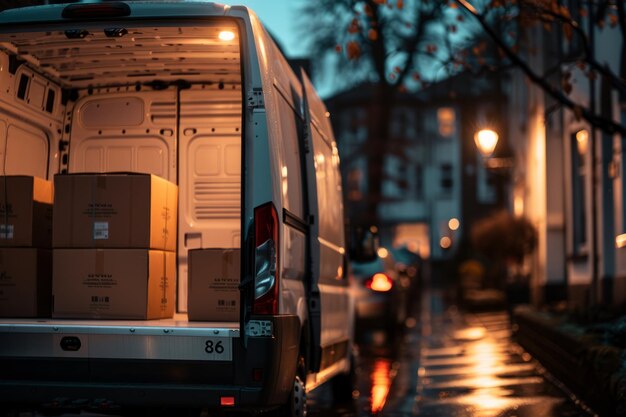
column 291, row 171
column 419, row 181
column 574, row 46
column 447, row 182
column 446, row 117
column 579, row 142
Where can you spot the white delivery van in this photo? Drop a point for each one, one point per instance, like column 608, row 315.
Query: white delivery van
column 199, row 94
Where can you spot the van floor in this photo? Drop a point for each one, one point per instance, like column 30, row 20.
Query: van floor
column 178, row 321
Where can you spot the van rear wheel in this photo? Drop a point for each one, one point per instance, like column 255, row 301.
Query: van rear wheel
column 296, row 403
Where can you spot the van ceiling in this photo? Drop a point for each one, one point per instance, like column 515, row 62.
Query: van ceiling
column 88, row 57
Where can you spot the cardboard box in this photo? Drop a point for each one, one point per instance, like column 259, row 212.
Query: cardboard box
column 214, row 276
column 115, row 211
column 113, row 283
column 25, row 282
column 25, row 211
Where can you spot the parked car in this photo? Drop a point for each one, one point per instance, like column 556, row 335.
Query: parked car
column 381, row 293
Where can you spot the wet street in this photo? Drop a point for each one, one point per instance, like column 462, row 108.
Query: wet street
column 450, row 364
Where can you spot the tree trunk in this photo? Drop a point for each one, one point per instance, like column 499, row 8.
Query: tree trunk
column 379, row 122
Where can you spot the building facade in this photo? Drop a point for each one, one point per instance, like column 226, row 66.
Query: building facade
column 429, row 165
column 569, row 178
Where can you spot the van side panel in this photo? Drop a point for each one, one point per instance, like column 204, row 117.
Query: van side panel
column 31, row 122
column 336, row 309
column 282, row 95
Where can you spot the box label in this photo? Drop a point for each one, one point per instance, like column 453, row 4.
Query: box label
column 100, row 210
column 99, row 281
column 100, row 230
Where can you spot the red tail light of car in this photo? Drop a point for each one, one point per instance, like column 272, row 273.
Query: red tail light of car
column 379, row 282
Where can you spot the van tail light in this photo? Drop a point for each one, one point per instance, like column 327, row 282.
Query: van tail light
column 379, row 282
column 266, row 260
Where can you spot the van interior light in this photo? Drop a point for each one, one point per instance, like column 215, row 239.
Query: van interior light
column 226, row 35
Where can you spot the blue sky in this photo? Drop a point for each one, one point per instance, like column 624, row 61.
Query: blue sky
column 278, row 16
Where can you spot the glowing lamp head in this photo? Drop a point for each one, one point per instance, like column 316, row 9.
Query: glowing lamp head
column 379, row 282
column 486, row 141
column 226, row 35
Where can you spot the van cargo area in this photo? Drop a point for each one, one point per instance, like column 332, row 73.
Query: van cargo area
column 161, row 99
column 164, row 100
column 243, row 196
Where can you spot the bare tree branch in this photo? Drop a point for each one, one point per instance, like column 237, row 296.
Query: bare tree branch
column 594, row 119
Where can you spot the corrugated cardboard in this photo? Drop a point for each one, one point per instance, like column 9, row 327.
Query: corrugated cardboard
column 214, row 276
column 25, row 282
column 115, row 211
column 25, row 211
column 113, row 283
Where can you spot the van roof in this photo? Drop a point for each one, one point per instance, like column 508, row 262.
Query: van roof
column 155, row 42
column 54, row 13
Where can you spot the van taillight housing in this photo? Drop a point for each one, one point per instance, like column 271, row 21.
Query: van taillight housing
column 266, row 260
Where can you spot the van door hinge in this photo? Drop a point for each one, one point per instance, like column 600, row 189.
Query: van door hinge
column 255, row 99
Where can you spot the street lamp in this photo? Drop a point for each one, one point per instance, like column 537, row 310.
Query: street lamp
column 486, row 141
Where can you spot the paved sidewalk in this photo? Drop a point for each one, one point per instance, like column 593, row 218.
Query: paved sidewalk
column 469, row 366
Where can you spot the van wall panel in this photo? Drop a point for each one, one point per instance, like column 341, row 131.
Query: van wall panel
column 107, row 154
column 112, row 111
column 207, row 161
column 26, row 151
column 151, row 159
column 36, row 93
column 115, row 133
column 119, row 158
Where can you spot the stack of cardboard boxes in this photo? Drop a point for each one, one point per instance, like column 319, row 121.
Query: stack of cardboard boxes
column 25, row 238
column 114, row 246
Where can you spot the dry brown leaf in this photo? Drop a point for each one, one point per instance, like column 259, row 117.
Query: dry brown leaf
column 353, row 50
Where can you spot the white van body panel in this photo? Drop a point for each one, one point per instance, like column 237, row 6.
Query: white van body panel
column 281, row 90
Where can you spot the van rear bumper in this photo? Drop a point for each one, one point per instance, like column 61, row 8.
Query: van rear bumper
column 148, row 370
column 102, row 397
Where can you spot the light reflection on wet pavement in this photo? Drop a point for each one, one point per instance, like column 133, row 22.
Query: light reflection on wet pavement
column 454, row 364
